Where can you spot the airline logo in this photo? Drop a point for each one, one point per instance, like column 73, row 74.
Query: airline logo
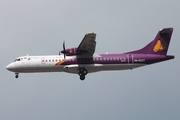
column 59, row 63
column 160, row 45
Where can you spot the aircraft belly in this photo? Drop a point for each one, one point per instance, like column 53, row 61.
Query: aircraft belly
column 120, row 66
column 100, row 67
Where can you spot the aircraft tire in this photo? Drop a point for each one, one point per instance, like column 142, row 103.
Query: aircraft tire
column 85, row 72
column 82, row 77
column 16, row 76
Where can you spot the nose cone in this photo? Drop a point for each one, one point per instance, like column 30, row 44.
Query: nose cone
column 9, row 67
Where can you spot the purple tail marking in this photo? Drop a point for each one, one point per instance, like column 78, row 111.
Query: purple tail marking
column 159, row 45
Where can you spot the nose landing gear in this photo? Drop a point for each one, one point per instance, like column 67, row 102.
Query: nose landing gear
column 82, row 73
column 16, row 75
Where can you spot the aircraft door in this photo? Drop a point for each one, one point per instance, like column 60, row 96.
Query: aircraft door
column 130, row 58
column 42, row 62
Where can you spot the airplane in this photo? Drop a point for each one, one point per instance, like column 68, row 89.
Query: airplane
column 82, row 60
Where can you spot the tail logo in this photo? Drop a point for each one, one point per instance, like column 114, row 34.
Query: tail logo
column 160, row 45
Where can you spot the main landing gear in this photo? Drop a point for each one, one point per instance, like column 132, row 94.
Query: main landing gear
column 16, row 75
column 82, row 73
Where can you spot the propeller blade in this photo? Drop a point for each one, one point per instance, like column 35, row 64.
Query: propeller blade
column 64, row 46
column 64, row 50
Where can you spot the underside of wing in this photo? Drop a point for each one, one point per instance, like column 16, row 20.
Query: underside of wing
column 88, row 44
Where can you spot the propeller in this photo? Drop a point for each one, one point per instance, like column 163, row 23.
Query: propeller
column 64, row 50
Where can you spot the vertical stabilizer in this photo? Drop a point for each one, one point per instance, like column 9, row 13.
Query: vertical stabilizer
column 159, row 45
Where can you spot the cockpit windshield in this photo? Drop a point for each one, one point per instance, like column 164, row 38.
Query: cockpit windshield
column 18, row 59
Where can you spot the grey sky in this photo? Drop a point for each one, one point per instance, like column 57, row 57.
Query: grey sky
column 39, row 27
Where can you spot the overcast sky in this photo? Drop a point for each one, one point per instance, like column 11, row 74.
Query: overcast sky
column 39, row 27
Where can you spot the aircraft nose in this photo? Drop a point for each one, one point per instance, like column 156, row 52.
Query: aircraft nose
column 9, row 67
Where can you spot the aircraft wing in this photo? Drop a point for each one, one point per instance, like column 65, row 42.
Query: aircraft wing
column 88, row 44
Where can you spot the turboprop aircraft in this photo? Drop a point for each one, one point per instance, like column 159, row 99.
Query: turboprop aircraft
column 81, row 60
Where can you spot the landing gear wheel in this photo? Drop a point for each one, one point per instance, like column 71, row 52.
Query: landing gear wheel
column 85, row 72
column 82, row 77
column 16, row 75
column 82, row 73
